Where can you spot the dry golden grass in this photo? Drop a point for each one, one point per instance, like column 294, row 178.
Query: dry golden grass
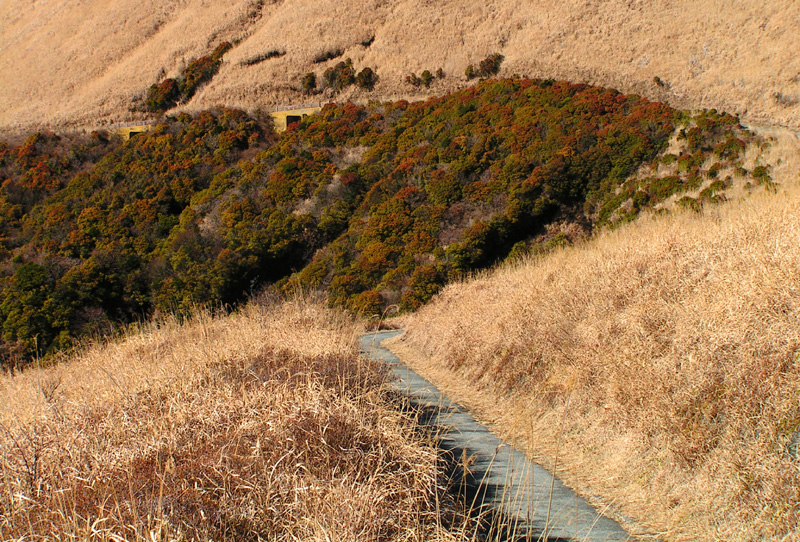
column 675, row 341
column 261, row 425
column 80, row 63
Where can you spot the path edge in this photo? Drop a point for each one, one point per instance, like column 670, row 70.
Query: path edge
column 487, row 410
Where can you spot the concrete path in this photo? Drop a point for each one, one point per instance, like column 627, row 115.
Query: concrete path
column 531, row 504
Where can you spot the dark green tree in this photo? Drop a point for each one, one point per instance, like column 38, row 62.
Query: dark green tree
column 309, row 83
column 366, row 79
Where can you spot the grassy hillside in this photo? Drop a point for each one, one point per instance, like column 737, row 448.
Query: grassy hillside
column 652, row 362
column 378, row 205
column 655, row 366
column 74, row 64
column 231, row 428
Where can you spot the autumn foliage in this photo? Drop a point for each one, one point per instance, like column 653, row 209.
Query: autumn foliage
column 378, row 205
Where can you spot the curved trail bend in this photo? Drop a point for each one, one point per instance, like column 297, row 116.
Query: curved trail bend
column 533, row 504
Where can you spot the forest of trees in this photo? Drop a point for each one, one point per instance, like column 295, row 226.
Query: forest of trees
column 377, row 205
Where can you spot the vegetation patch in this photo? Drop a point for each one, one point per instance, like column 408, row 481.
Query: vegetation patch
column 343, row 75
column 707, row 151
column 275, row 53
column 488, row 67
column 166, row 95
column 102, row 211
column 379, row 205
column 339, row 77
column 328, row 55
column 426, row 78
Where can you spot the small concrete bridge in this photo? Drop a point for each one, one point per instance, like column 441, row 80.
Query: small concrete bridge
column 285, row 115
column 129, row 129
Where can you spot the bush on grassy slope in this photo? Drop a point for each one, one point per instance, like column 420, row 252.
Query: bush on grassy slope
column 165, row 95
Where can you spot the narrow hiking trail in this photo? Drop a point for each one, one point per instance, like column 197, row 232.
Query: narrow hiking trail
column 529, row 503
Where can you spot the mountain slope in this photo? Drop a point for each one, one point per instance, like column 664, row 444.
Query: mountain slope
column 657, row 365
column 72, row 64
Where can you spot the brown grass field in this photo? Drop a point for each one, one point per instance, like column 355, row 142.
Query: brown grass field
column 670, row 347
column 261, row 425
column 71, row 64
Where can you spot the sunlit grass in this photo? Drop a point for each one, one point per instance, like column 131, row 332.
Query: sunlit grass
column 676, row 340
column 77, row 64
column 265, row 424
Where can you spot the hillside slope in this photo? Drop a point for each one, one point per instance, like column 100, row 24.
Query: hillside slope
column 668, row 349
column 378, row 205
column 219, row 428
column 73, row 64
